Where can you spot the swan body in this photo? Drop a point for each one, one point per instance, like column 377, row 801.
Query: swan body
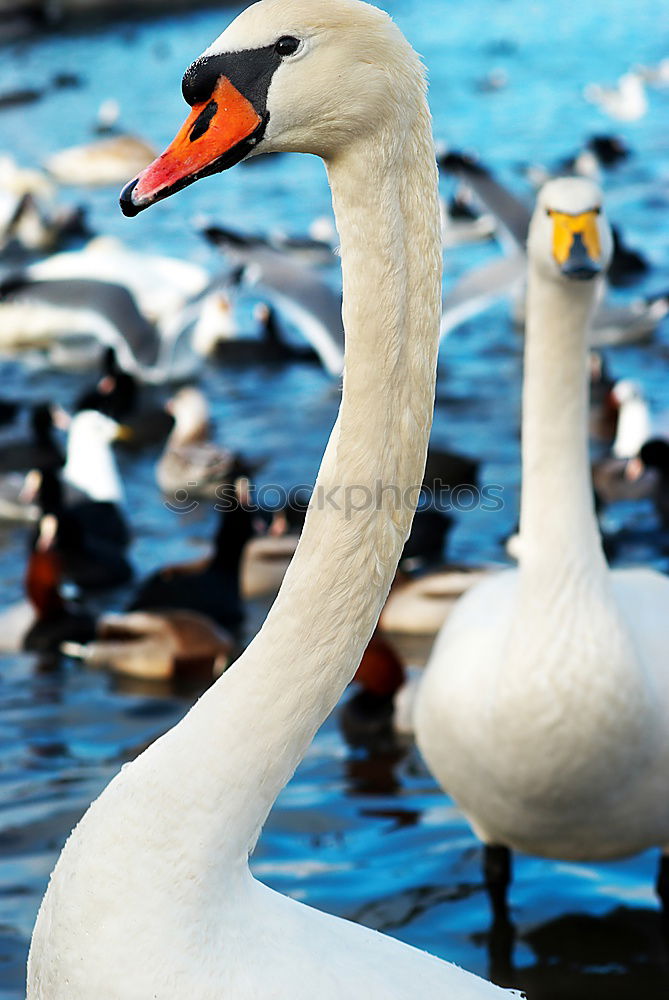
column 152, row 894
column 544, row 706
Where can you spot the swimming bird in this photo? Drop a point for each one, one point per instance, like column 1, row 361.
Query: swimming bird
column 45, row 620
column 192, row 464
column 210, row 586
column 299, row 292
column 36, row 446
column 367, row 717
column 119, row 396
column 152, row 893
column 654, row 456
column 93, row 534
column 543, row 709
column 156, row 646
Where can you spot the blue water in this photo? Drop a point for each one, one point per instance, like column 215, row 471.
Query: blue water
column 368, row 837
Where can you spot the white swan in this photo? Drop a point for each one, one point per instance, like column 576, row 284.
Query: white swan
column 152, row 895
column 544, row 708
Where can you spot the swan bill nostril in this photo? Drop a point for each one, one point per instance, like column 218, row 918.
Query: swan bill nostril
column 216, row 135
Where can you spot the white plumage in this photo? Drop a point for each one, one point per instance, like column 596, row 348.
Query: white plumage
column 152, row 895
column 544, row 709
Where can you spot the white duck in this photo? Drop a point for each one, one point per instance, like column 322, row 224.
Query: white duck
column 544, row 708
column 152, row 895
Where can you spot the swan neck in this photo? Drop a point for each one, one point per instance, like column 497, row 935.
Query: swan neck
column 558, row 522
column 250, row 731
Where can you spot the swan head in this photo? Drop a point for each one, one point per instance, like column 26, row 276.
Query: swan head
column 570, row 238
column 287, row 76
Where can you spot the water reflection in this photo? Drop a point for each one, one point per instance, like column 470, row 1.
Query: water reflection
column 619, row 955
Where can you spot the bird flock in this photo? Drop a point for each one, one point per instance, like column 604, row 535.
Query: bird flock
column 535, row 692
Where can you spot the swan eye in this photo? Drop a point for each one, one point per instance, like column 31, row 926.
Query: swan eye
column 287, row 45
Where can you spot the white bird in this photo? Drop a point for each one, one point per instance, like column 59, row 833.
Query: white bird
column 104, row 161
column 152, row 894
column 627, row 101
column 544, row 708
column 481, row 287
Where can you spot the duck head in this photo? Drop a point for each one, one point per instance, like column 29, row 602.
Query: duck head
column 570, row 238
column 285, row 76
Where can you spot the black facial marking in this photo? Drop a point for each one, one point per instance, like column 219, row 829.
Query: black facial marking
column 249, row 71
column 203, row 121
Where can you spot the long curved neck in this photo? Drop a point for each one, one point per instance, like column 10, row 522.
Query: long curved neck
column 249, row 732
column 557, row 524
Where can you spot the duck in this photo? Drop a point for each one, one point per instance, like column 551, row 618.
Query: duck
column 266, row 556
column 93, row 534
column 45, row 619
column 163, row 852
column 210, row 586
column 156, row 646
column 543, row 707
column 369, row 717
column 622, row 475
column 36, row 446
column 191, row 464
column 654, row 457
column 119, row 395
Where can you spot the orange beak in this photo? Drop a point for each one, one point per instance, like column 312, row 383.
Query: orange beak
column 217, row 134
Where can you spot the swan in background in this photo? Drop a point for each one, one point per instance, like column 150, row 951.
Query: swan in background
column 105, row 161
column 160, row 285
column 544, row 706
column 152, row 893
column 481, row 287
